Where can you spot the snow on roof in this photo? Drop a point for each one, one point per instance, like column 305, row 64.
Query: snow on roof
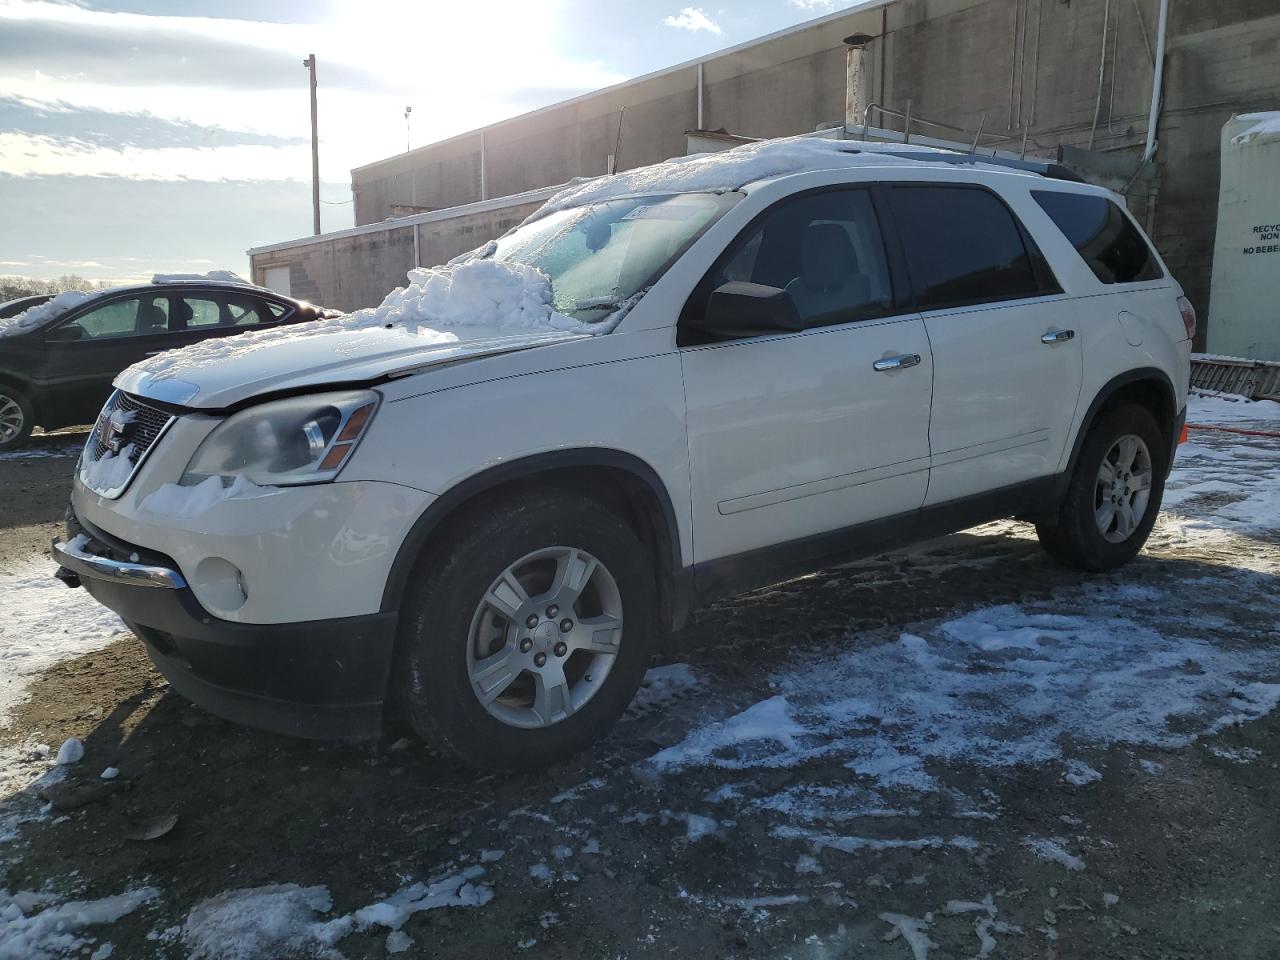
column 1266, row 127
column 496, row 296
column 215, row 276
column 731, row 169
column 41, row 313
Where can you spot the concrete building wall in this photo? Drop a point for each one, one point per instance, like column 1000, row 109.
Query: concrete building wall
column 1077, row 74
column 354, row 268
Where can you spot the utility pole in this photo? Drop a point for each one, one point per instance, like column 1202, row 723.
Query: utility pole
column 408, row 111
column 310, row 64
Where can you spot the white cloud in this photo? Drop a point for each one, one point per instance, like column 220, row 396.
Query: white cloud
column 814, row 4
column 692, row 19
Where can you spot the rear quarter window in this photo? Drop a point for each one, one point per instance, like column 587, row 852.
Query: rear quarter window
column 1107, row 240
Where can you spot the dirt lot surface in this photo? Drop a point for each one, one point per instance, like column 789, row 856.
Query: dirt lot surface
column 960, row 750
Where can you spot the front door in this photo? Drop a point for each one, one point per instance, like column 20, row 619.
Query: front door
column 795, row 434
column 1007, row 362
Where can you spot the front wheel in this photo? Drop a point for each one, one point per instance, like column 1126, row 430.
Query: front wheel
column 16, row 418
column 1114, row 493
column 526, row 633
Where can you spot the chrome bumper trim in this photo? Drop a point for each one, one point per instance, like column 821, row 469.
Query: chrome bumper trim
column 72, row 555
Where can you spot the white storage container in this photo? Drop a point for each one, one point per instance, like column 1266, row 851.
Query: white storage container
column 1244, row 306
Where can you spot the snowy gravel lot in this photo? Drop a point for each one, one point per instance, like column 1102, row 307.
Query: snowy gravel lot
column 960, row 750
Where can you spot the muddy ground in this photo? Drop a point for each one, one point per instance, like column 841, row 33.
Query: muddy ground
column 1172, row 853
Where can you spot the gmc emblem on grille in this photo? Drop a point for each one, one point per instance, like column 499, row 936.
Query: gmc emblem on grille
column 116, row 430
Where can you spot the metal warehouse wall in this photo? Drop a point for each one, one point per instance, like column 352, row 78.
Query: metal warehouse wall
column 1039, row 66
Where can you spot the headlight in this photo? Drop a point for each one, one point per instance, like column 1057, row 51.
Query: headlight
column 301, row 440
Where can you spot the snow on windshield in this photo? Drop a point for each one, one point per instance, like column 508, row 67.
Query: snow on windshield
column 729, row 170
column 487, row 295
column 39, row 314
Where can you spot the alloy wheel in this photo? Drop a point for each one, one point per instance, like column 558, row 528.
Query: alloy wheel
column 11, row 419
column 1123, row 488
column 544, row 637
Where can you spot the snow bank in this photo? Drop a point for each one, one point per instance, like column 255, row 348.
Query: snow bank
column 492, row 297
column 43, row 312
column 36, row 926
column 731, row 169
column 217, row 276
column 1266, row 126
column 1209, row 409
column 185, row 503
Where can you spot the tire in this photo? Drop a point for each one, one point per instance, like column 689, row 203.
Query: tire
column 1078, row 539
column 17, row 418
column 461, row 614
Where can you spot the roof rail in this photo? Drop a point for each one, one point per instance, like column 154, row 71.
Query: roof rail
column 1044, row 168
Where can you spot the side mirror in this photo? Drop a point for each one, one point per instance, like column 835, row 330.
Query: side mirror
column 67, row 332
column 741, row 309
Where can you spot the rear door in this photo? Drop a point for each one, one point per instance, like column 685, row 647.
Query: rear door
column 797, row 434
column 205, row 314
column 1007, row 361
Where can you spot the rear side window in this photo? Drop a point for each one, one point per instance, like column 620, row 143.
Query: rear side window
column 963, row 246
column 1108, row 241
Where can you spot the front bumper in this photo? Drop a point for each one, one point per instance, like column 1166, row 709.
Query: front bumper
column 322, row 678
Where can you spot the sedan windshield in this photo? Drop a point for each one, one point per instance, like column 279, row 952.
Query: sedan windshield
column 601, row 255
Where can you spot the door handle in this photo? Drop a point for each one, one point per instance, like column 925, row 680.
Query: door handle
column 1058, row 336
column 900, row 362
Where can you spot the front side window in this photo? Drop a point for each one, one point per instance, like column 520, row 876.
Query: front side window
column 824, row 249
column 138, row 317
column 600, row 255
column 1110, row 244
column 963, row 247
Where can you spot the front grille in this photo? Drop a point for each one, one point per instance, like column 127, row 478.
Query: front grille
column 143, row 428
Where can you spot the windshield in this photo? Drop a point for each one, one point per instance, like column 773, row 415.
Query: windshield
column 601, row 255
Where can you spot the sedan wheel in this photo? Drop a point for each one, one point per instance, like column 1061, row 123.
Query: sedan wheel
column 15, row 420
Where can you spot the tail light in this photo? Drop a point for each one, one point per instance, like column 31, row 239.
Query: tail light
column 1188, row 316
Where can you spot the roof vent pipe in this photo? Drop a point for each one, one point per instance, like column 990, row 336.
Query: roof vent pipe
column 855, row 89
column 1156, row 81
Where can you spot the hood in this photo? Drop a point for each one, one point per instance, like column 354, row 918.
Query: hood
column 220, row 377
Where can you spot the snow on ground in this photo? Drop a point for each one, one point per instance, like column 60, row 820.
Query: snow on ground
column 999, row 686
column 1210, row 408
column 42, row 926
column 42, row 622
column 33, row 317
column 287, row 919
column 69, row 449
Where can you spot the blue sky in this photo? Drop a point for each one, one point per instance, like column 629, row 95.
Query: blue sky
column 141, row 136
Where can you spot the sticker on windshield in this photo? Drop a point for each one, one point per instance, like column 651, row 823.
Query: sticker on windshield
column 664, row 211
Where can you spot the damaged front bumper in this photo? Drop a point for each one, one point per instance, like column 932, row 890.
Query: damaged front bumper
column 321, row 678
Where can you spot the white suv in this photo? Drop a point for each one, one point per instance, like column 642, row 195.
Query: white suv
column 691, row 381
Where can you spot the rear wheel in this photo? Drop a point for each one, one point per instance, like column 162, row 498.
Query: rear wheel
column 16, row 418
column 1114, row 495
column 527, row 632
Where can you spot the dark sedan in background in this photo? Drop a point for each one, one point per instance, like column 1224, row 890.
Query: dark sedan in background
column 57, row 370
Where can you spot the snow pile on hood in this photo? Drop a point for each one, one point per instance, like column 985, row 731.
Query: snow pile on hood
column 1266, row 127
column 488, row 297
column 731, row 169
column 39, row 314
column 218, row 276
